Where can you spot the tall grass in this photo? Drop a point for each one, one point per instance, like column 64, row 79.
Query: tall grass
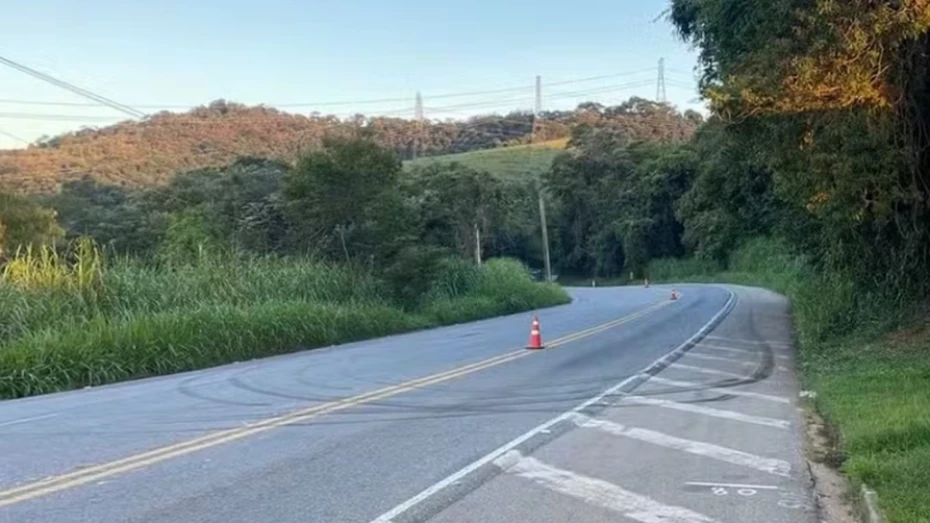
column 866, row 355
column 464, row 292
column 69, row 321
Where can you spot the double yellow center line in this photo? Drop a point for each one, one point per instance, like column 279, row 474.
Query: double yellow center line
column 83, row 476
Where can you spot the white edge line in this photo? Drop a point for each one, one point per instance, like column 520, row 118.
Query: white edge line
column 752, row 342
column 730, row 485
column 500, row 451
column 705, row 370
column 27, row 420
column 737, row 350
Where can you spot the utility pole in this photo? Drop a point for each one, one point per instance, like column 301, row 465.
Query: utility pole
column 418, row 116
column 537, row 107
column 545, row 231
column 660, row 83
column 477, row 244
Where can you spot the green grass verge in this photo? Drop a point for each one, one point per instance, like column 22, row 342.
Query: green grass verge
column 519, row 162
column 144, row 322
column 867, row 359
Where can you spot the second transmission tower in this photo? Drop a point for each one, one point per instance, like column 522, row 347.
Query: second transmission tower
column 661, row 96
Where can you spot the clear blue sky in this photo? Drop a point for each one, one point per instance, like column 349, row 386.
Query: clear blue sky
column 188, row 52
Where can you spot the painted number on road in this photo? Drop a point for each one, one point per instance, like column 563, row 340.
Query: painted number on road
column 721, row 491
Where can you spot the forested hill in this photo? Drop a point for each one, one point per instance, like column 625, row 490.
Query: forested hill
column 138, row 154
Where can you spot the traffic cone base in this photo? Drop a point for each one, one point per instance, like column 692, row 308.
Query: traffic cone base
column 535, row 336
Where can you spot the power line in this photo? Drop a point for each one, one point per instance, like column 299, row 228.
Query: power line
column 13, row 136
column 73, row 88
column 599, row 90
column 601, row 77
column 59, row 117
column 138, row 114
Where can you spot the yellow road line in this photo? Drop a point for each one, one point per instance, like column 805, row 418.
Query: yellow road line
column 94, row 473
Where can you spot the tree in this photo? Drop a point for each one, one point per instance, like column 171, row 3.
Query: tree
column 837, row 96
column 458, row 206
column 585, row 183
column 24, row 223
column 345, row 201
column 732, row 197
column 614, row 207
column 111, row 216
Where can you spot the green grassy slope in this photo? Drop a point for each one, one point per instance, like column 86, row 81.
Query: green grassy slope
column 506, row 163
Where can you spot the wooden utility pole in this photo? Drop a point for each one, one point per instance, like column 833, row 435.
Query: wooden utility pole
column 545, row 232
column 537, row 108
column 477, row 244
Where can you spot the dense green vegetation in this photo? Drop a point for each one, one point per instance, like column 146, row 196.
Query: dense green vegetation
column 812, row 178
column 72, row 324
column 101, row 284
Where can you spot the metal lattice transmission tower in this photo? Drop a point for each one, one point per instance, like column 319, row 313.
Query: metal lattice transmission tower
column 537, row 108
column 418, row 108
column 418, row 117
column 660, row 83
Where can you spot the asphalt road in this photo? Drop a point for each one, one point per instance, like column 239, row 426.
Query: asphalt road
column 641, row 409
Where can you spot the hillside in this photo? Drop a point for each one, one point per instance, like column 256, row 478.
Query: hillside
column 517, row 161
column 147, row 153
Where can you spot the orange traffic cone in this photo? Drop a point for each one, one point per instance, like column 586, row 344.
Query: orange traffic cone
column 646, row 283
column 674, row 295
column 535, row 335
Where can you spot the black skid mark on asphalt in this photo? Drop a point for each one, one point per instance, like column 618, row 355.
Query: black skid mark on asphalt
column 186, row 388
column 237, row 383
column 301, row 378
column 761, row 372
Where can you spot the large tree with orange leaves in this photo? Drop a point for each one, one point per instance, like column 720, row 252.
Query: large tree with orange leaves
column 838, row 94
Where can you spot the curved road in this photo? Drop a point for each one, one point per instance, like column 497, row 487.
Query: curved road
column 640, row 409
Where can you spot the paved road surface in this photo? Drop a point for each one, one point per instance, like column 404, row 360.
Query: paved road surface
column 643, row 409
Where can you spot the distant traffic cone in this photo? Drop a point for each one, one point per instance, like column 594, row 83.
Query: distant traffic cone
column 535, row 335
column 674, row 295
column 646, row 283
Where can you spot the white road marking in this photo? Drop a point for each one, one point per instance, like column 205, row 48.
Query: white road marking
column 26, row 420
column 721, row 390
column 737, row 457
column 707, row 411
column 730, row 485
column 751, row 342
column 734, row 350
column 500, row 451
column 715, row 358
column 597, row 491
column 704, row 370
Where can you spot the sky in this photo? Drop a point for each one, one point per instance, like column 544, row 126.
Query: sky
column 174, row 54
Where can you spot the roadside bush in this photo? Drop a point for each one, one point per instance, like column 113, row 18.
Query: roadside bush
column 500, row 286
column 140, row 320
